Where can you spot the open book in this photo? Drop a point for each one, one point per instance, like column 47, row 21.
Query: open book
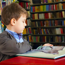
column 46, row 52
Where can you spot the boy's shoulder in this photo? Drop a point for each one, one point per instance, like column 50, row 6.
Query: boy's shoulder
column 4, row 34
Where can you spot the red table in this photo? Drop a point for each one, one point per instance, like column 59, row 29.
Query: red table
column 21, row 60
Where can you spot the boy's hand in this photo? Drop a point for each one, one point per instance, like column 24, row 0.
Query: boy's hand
column 47, row 44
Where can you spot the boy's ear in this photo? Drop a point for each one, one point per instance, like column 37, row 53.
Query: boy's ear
column 13, row 21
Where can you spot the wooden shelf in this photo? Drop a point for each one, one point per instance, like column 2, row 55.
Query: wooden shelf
column 48, row 3
column 48, row 42
column 41, row 4
column 48, row 19
column 28, row 18
column 27, row 34
column 48, row 34
column 28, row 9
column 49, row 27
column 23, row 1
column 27, row 26
column 59, row 2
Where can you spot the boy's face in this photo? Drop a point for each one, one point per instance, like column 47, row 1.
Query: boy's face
column 20, row 24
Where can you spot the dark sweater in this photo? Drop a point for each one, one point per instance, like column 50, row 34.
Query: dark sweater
column 9, row 46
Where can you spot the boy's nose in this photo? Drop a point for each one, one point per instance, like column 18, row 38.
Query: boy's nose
column 25, row 24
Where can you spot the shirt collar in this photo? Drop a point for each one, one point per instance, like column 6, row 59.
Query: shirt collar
column 12, row 33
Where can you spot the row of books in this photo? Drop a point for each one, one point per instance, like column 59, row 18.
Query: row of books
column 47, row 23
column 50, row 1
column 5, row 2
column 24, row 5
column 48, row 38
column 49, row 31
column 48, row 15
column 28, row 38
column 50, row 7
column 45, row 38
column 27, row 31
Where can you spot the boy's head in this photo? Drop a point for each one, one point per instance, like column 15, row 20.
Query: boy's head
column 13, row 10
column 11, row 14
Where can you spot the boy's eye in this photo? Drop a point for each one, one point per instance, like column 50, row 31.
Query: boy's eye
column 23, row 21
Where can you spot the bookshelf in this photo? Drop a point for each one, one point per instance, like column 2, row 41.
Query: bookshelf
column 48, row 22
column 27, row 31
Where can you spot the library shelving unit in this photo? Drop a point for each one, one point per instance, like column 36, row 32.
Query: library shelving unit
column 27, row 31
column 48, row 22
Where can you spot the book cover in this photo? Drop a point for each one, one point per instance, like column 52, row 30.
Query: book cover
column 3, row 4
column 30, row 38
column 56, row 7
column 61, row 30
column 60, row 6
column 36, row 16
column 36, row 38
column 46, row 15
column 33, row 9
column 47, row 8
column 28, row 13
column 63, row 5
column 30, row 32
column 27, row 7
column 42, row 31
column 0, row 7
column 41, row 8
column 24, row 31
column 63, row 14
column 36, row 23
column 44, row 8
column 57, row 15
column 52, row 7
column 45, row 1
column 37, row 8
column 42, row 1
column 41, row 23
column 58, row 31
column 33, row 16
column 43, row 38
column 50, row 1
column 21, row 3
column 33, row 31
column 62, row 22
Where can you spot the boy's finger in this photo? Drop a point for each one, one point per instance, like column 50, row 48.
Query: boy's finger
column 47, row 44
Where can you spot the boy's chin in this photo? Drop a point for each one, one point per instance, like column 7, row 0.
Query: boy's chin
column 20, row 32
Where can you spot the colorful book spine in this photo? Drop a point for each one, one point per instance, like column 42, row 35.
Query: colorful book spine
column 41, row 8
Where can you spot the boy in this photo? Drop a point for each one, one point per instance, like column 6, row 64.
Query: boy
column 11, row 40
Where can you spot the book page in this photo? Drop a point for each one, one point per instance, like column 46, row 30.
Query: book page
column 40, row 54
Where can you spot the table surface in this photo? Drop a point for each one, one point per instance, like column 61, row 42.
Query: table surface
column 21, row 60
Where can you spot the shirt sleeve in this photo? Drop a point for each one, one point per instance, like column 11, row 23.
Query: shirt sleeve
column 9, row 46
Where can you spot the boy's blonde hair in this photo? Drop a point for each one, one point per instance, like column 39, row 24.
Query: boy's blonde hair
column 14, row 10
